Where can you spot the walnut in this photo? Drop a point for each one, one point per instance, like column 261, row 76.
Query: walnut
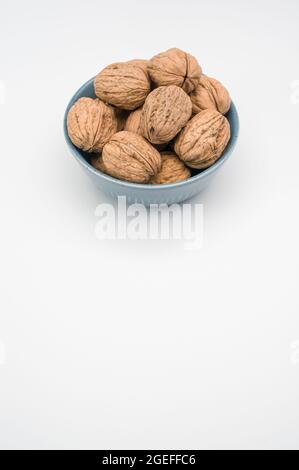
column 172, row 170
column 203, row 140
column 130, row 157
column 133, row 121
column 91, row 123
column 210, row 94
column 165, row 111
column 122, row 84
column 175, row 67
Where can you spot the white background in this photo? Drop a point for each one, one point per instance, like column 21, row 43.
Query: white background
column 136, row 344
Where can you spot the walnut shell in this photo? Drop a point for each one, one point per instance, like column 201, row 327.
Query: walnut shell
column 210, row 94
column 165, row 111
column 142, row 63
column 203, row 140
column 122, row 84
column 133, row 124
column 133, row 121
column 172, row 170
column 90, row 124
column 130, row 157
column 175, row 67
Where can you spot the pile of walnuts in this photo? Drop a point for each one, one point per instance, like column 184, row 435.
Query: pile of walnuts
column 152, row 120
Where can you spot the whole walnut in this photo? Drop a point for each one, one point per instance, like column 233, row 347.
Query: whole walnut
column 90, row 124
column 210, row 94
column 172, row 170
column 175, row 67
column 203, row 140
column 133, row 121
column 165, row 111
column 124, row 85
column 130, row 157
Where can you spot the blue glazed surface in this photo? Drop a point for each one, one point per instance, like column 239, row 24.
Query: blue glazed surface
column 143, row 193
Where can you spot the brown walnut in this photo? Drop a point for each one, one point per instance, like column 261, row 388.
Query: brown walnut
column 203, row 140
column 175, row 67
column 210, row 94
column 172, row 170
column 130, row 157
column 91, row 123
column 165, row 111
column 122, row 84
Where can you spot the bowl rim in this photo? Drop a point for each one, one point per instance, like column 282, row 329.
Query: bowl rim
column 79, row 157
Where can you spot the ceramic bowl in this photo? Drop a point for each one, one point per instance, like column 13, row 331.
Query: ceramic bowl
column 144, row 193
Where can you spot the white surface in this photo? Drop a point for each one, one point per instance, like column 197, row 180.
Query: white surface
column 143, row 344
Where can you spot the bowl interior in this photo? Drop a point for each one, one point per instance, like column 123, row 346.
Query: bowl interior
column 87, row 90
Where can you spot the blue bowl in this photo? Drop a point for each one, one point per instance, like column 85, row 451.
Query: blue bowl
column 144, row 193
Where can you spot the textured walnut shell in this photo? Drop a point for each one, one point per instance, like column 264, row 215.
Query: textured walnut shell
column 133, row 122
column 122, row 84
column 210, row 94
column 175, row 67
column 142, row 63
column 172, row 170
column 165, row 111
column 90, row 124
column 130, row 157
column 203, row 140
